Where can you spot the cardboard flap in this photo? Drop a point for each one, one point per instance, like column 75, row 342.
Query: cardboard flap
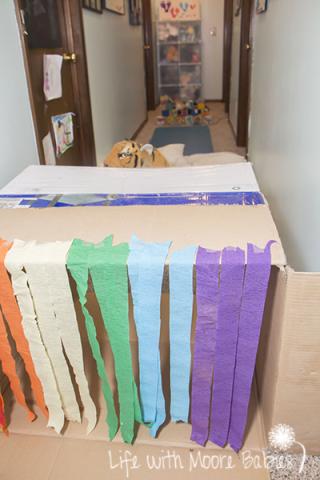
column 213, row 227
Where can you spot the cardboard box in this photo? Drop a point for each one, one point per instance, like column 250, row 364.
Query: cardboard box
column 289, row 355
column 288, row 364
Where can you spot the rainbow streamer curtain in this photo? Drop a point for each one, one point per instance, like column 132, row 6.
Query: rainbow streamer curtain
column 224, row 292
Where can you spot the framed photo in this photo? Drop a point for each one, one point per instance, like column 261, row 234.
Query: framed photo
column 93, row 5
column 115, row 6
column 262, row 6
column 135, row 14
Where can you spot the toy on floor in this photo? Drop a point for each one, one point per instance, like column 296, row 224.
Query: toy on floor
column 129, row 154
column 183, row 112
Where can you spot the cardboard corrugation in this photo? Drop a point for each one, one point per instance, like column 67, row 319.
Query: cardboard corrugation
column 288, row 367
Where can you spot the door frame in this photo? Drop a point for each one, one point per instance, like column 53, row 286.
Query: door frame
column 245, row 73
column 148, row 53
column 80, row 80
column 227, row 52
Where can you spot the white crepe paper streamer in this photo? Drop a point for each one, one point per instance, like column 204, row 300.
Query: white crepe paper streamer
column 39, row 279
column 66, row 321
column 14, row 264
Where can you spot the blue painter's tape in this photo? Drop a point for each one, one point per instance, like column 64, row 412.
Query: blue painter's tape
column 126, row 200
column 40, row 203
column 19, row 196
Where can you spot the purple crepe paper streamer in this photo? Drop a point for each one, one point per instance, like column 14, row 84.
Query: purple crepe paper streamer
column 251, row 315
column 207, row 268
column 231, row 285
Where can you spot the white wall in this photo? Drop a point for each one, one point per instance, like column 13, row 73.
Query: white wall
column 212, row 14
column 116, row 77
column 285, row 127
column 17, row 138
column 235, row 69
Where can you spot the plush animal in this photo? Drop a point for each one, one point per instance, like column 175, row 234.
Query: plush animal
column 129, row 154
column 172, row 54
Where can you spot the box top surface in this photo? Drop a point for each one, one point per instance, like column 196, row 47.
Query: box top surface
column 38, row 179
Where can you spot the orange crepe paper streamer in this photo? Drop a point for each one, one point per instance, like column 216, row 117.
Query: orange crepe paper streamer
column 9, row 368
column 12, row 314
column 3, row 423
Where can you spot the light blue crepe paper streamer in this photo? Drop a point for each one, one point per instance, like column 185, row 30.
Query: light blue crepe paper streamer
column 181, row 308
column 145, row 266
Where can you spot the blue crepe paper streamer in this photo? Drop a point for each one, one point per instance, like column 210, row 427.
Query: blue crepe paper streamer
column 145, row 266
column 181, row 308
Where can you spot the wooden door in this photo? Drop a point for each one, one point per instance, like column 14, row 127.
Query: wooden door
column 149, row 55
column 227, row 48
column 245, row 72
column 55, row 27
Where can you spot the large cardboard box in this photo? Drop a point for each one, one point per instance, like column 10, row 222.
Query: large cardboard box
column 288, row 372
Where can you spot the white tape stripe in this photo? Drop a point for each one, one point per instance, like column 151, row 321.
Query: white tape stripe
column 66, row 321
column 39, row 280
column 43, row 367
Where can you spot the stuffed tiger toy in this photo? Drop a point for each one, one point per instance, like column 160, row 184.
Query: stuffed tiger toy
column 129, row 154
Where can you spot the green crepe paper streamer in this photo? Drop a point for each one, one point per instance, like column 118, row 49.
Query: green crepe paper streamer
column 77, row 263
column 108, row 270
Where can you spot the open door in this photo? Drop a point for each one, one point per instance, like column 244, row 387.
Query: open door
column 237, row 66
column 49, row 27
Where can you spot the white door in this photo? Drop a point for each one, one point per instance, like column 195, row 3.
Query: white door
column 212, row 14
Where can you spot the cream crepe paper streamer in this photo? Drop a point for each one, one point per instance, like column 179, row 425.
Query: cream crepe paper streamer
column 39, row 278
column 66, row 321
column 14, row 263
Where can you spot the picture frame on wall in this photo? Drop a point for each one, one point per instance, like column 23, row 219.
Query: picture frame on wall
column 135, row 12
column 93, row 5
column 115, row 6
column 262, row 6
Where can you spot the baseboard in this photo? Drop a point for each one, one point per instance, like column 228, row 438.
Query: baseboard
column 136, row 133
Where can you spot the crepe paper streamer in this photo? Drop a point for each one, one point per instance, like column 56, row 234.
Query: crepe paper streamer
column 78, row 265
column 231, row 284
column 181, row 309
column 14, row 262
column 39, row 279
column 55, row 256
column 146, row 265
column 108, row 270
column 12, row 315
column 254, row 296
column 207, row 275
column 9, row 369
column 3, row 423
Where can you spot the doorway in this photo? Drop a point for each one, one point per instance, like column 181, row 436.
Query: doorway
column 48, row 27
column 212, row 40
